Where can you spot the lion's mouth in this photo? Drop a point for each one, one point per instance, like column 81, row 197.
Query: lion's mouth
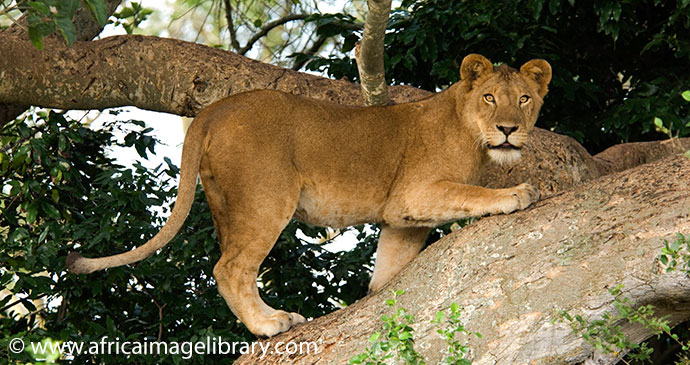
column 504, row 146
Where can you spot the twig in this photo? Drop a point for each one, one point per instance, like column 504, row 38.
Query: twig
column 155, row 302
column 22, row 300
column 267, row 28
column 231, row 26
column 318, row 43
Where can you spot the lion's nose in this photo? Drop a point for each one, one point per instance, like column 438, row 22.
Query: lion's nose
column 507, row 130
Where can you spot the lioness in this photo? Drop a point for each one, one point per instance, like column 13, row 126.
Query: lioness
column 266, row 156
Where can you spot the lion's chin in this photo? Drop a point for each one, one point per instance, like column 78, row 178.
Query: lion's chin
column 504, row 156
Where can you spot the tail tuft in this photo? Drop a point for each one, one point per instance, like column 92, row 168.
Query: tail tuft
column 75, row 263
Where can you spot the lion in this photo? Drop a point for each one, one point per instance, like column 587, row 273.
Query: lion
column 266, row 157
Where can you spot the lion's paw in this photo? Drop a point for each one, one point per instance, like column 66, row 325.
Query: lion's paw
column 279, row 321
column 520, row 197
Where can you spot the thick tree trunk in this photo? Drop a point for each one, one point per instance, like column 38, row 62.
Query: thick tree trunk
column 511, row 274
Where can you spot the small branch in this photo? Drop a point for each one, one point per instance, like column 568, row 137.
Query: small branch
column 318, row 43
column 369, row 54
column 267, row 28
column 20, row 301
column 155, row 302
column 231, row 26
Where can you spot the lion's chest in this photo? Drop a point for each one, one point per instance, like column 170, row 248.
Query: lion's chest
column 336, row 206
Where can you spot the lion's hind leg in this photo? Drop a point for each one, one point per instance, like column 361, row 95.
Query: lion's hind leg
column 248, row 226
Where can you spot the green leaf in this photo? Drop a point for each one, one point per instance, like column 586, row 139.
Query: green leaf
column 686, row 95
column 658, row 122
column 51, row 210
column 36, row 37
column 43, row 235
column 663, row 259
column 66, row 28
column 98, row 9
column 42, row 8
column 67, row 8
column 31, row 213
column 439, row 317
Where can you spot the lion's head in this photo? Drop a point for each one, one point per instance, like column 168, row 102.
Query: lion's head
column 503, row 102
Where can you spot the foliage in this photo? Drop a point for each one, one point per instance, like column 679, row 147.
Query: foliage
column 131, row 16
column 456, row 350
column 659, row 123
column 676, row 254
column 617, row 65
column 61, row 191
column 606, row 334
column 397, row 337
column 45, row 17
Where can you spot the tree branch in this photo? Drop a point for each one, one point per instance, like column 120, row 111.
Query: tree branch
column 231, row 26
column 369, row 54
column 318, row 43
column 267, row 28
column 87, row 28
column 511, row 274
column 151, row 73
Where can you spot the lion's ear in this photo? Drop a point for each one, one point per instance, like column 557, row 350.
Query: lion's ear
column 473, row 67
column 539, row 71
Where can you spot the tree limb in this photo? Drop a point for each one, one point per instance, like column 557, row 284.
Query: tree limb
column 87, row 28
column 318, row 43
column 511, row 274
column 231, row 26
column 151, row 73
column 267, row 28
column 369, row 54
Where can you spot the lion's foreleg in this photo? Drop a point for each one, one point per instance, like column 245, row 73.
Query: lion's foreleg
column 445, row 201
column 397, row 247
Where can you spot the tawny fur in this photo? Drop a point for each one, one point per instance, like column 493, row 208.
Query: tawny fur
column 266, row 157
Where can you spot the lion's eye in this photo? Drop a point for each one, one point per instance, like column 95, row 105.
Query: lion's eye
column 488, row 98
column 524, row 99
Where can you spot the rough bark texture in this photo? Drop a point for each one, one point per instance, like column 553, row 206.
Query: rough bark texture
column 369, row 54
column 151, row 73
column 87, row 28
column 512, row 273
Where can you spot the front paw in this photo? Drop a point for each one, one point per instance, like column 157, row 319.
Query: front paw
column 520, row 197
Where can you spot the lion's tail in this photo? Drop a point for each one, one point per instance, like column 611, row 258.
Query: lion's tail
column 189, row 170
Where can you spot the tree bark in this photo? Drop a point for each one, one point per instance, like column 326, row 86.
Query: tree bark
column 369, row 54
column 152, row 73
column 511, row 274
column 87, row 28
